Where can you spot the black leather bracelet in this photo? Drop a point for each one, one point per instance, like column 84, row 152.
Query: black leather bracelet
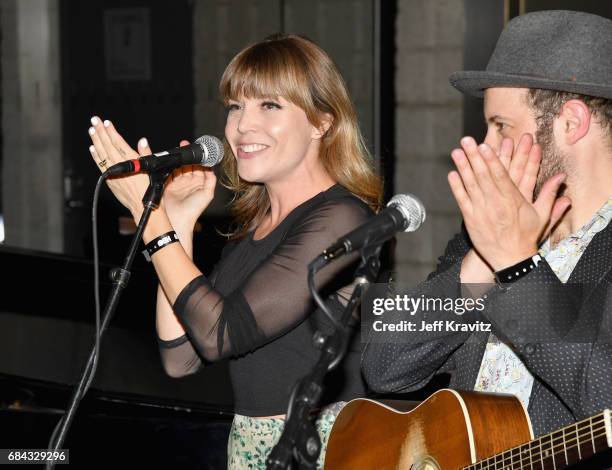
column 158, row 243
column 517, row 271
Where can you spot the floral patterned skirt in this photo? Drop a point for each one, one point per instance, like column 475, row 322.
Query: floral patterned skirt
column 252, row 439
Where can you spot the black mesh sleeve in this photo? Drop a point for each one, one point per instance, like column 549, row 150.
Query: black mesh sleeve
column 274, row 298
column 178, row 356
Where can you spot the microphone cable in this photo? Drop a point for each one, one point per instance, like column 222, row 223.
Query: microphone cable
column 52, row 446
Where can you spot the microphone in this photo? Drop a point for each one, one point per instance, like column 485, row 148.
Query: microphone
column 404, row 213
column 206, row 151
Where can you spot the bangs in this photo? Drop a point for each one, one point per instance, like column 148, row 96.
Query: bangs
column 267, row 70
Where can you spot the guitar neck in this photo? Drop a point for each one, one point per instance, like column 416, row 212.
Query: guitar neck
column 558, row 449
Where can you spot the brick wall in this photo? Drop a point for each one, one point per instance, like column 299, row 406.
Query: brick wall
column 429, row 41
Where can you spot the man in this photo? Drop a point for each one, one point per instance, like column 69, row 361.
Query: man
column 550, row 256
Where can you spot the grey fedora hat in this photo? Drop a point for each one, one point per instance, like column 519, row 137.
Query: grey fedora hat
column 554, row 50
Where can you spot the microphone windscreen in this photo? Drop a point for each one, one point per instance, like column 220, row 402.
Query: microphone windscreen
column 212, row 150
column 412, row 209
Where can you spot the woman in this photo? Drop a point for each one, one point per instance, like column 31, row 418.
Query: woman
column 302, row 178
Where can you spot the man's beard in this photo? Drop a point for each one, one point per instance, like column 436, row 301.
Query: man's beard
column 553, row 160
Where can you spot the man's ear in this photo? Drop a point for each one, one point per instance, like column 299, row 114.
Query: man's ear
column 575, row 120
column 325, row 123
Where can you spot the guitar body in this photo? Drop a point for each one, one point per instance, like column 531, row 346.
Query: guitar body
column 449, row 430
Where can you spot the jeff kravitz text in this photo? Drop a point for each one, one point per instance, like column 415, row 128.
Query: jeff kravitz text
column 428, row 307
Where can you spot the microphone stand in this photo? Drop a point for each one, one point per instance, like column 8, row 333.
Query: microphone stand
column 120, row 277
column 300, row 441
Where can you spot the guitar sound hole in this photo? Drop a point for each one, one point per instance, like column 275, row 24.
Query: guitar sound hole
column 427, row 463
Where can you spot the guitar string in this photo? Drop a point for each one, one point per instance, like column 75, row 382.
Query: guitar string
column 529, row 459
column 578, row 428
column 555, row 447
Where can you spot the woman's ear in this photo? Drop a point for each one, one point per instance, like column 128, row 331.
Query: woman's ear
column 325, row 123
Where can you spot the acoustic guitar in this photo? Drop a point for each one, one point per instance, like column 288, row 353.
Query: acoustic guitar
column 457, row 430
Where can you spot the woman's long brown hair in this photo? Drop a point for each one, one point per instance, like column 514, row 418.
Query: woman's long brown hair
column 298, row 70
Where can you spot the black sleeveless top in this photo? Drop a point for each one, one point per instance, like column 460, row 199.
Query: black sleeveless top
column 256, row 308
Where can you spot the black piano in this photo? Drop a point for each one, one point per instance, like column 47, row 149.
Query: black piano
column 133, row 415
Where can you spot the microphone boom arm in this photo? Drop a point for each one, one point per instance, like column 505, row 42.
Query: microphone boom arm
column 300, row 440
